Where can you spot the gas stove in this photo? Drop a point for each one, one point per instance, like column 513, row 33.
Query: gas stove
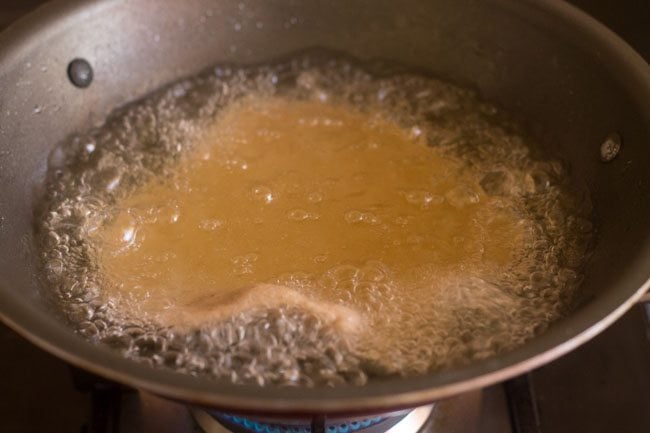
column 603, row 386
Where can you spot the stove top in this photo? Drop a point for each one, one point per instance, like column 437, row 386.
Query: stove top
column 603, row 386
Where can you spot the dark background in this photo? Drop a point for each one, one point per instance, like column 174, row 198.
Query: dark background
column 36, row 392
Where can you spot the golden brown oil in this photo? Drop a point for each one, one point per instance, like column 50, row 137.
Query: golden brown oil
column 310, row 223
column 279, row 186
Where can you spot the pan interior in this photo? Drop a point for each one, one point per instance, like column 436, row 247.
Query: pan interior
column 254, row 223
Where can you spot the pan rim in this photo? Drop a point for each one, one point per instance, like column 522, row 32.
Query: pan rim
column 374, row 397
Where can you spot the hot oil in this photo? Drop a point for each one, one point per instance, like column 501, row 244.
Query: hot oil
column 314, row 186
column 309, row 223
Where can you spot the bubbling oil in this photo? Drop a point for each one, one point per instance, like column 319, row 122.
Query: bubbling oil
column 316, row 221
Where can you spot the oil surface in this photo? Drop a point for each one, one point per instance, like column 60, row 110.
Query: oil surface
column 309, row 222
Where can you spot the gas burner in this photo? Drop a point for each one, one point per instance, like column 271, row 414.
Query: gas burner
column 405, row 421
